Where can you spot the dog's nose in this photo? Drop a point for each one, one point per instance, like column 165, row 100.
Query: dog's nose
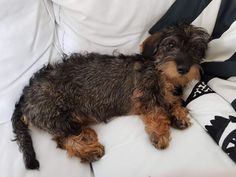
column 182, row 69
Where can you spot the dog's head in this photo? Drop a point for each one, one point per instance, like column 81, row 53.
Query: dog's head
column 177, row 51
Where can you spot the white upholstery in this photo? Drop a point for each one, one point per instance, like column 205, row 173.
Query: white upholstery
column 26, row 38
column 103, row 26
column 29, row 30
column 27, row 41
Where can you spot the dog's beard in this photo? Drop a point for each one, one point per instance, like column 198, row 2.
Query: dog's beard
column 169, row 69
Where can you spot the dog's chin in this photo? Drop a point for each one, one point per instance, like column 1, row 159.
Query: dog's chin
column 183, row 80
column 171, row 73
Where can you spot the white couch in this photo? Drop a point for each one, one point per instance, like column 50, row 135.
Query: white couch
column 35, row 32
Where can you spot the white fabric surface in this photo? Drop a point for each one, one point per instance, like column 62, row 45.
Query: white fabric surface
column 103, row 26
column 223, row 48
column 208, row 17
column 225, row 88
column 54, row 162
column 129, row 152
column 27, row 33
column 27, row 41
column 26, row 38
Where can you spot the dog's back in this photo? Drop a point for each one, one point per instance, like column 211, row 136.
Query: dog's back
column 94, row 85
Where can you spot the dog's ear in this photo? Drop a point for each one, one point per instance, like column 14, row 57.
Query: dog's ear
column 201, row 39
column 149, row 45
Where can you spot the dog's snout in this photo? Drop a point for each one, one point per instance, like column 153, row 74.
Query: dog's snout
column 183, row 63
column 182, row 69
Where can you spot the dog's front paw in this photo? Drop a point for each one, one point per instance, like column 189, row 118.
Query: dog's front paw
column 181, row 123
column 160, row 142
column 180, row 118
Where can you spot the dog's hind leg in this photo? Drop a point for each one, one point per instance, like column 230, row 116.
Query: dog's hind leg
column 79, row 141
column 63, row 127
column 84, row 145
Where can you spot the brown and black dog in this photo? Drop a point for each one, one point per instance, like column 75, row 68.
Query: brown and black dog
column 65, row 98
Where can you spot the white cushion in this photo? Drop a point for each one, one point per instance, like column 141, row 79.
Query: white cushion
column 27, row 34
column 103, row 26
column 128, row 152
column 27, row 40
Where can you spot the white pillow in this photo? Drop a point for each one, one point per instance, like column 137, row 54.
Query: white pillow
column 27, row 31
column 102, row 26
column 26, row 43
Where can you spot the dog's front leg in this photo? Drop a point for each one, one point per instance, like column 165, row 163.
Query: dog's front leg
column 157, row 125
column 179, row 116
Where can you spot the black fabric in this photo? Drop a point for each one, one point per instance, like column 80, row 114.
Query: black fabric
column 232, row 58
column 199, row 89
column 229, row 145
column 217, row 128
column 222, row 70
column 206, row 78
column 225, row 69
column 226, row 16
column 234, row 104
column 181, row 11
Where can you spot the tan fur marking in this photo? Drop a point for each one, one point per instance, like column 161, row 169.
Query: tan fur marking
column 136, row 105
column 24, row 120
column 180, row 115
column 168, row 93
column 157, row 125
column 170, row 70
column 194, row 73
column 85, row 146
column 137, row 66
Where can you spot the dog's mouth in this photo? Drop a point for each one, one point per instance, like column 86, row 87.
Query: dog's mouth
column 180, row 74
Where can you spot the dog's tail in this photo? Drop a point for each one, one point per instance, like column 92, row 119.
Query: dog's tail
column 23, row 138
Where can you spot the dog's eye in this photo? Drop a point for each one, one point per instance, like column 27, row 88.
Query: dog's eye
column 171, row 45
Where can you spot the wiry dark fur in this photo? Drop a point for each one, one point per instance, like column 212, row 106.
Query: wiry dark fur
column 89, row 88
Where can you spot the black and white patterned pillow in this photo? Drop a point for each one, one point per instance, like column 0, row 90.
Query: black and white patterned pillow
column 214, row 114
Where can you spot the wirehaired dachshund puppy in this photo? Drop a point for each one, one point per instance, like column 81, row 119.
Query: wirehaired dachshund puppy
column 65, row 98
